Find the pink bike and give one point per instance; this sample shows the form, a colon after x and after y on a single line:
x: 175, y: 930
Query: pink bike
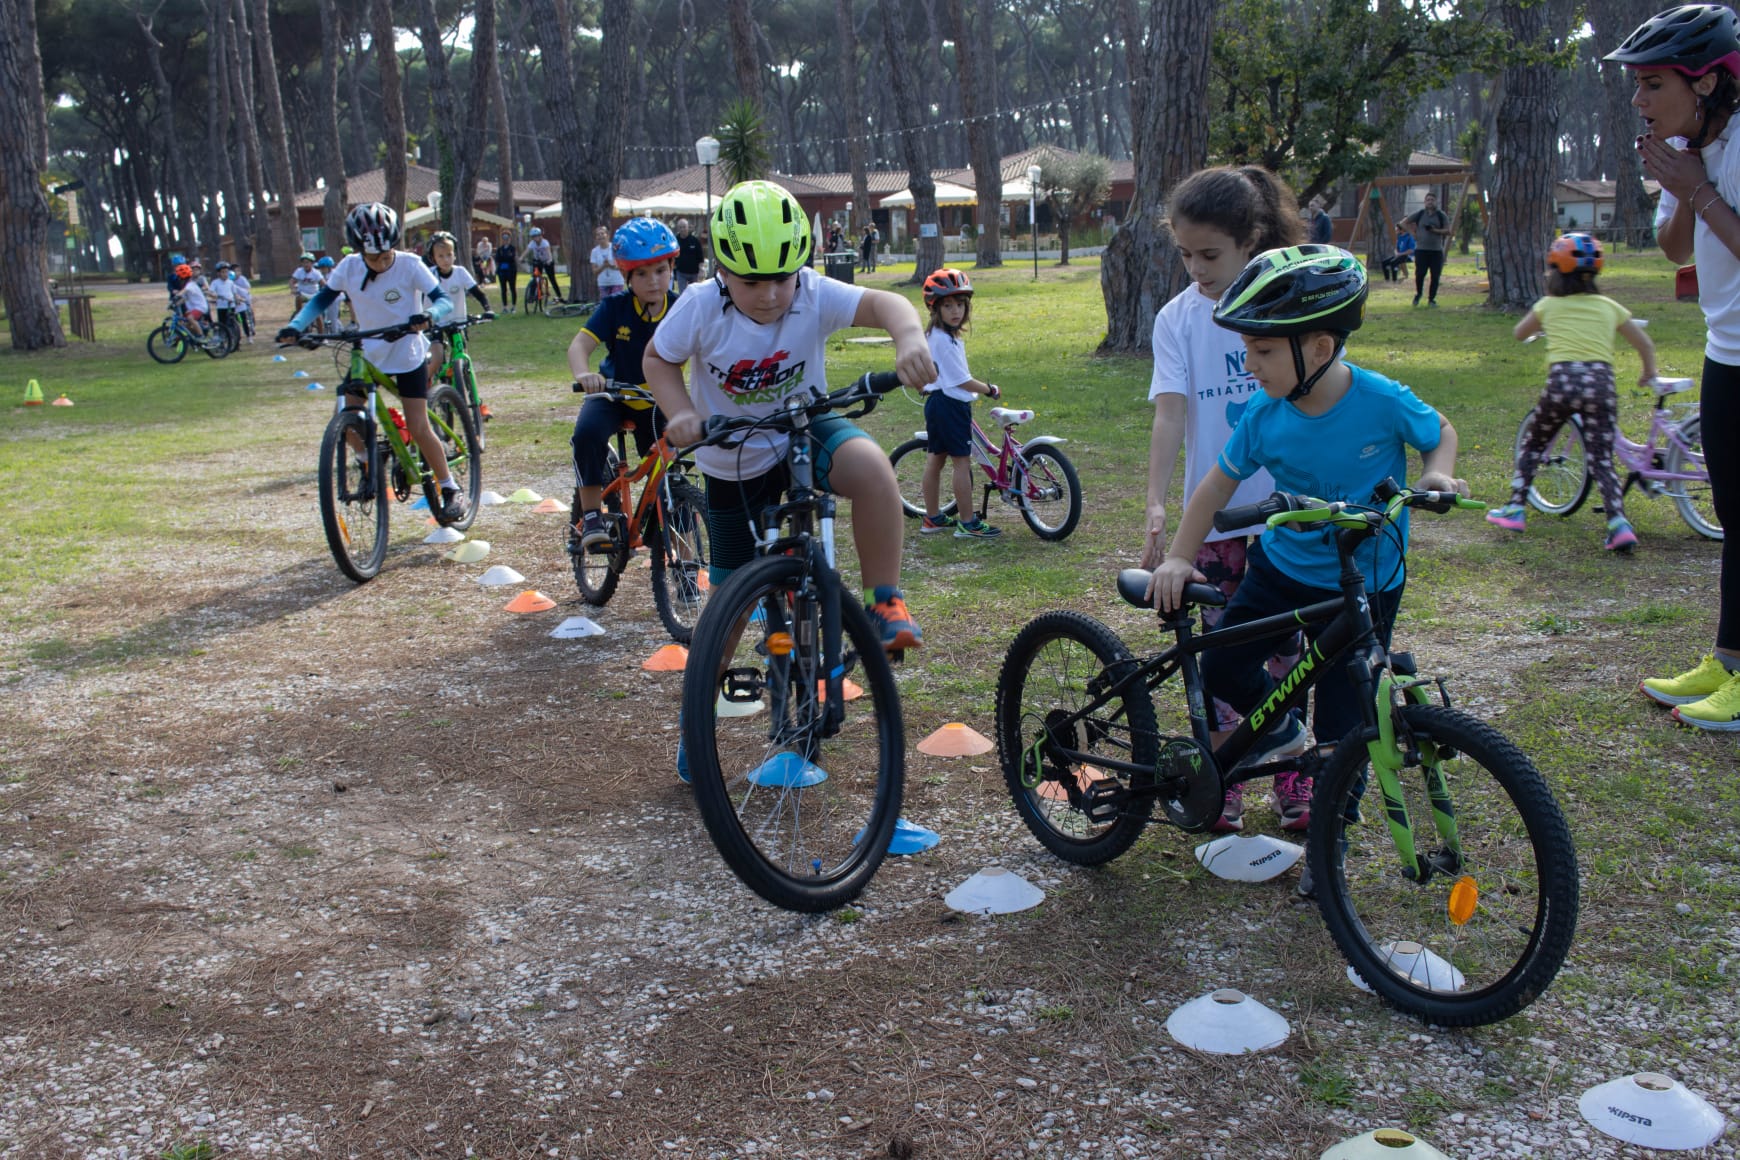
x: 1034, y: 477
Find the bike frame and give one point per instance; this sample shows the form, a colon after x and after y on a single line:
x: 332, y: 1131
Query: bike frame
x: 456, y: 368
x: 1643, y: 460
x: 652, y: 468
x: 1002, y: 474
x: 409, y: 456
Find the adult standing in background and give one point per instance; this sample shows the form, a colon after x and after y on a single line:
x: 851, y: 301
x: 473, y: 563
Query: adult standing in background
x: 687, y: 268
x: 604, y: 268
x: 1431, y: 229
x: 485, y: 254
x: 1320, y: 227
x: 507, y: 271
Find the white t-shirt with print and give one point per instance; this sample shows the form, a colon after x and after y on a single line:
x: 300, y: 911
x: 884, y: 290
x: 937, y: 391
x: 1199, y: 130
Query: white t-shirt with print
x: 950, y: 357
x: 223, y: 295
x: 390, y: 298
x: 738, y: 366
x: 608, y: 275
x: 1718, y: 267
x: 305, y: 283
x: 1206, y: 364
x: 244, y: 291
x: 454, y: 284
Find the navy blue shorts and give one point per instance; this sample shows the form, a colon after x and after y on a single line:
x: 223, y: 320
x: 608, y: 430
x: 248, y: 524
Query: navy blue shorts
x: 948, y: 425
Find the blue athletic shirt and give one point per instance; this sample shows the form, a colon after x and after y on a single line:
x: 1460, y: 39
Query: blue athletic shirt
x: 623, y: 327
x: 1341, y: 454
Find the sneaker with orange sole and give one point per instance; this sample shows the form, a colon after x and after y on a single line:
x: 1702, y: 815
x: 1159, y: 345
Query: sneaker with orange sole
x: 894, y: 624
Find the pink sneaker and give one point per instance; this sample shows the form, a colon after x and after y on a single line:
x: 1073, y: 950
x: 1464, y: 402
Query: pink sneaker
x: 1232, y: 812
x: 1512, y: 517
x: 1293, y: 800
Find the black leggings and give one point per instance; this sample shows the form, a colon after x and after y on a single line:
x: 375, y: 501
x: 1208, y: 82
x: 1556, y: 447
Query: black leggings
x: 1424, y: 260
x: 1720, y: 433
x: 510, y: 287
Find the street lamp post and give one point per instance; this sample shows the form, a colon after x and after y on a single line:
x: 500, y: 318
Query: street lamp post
x: 707, y: 153
x: 1033, y: 172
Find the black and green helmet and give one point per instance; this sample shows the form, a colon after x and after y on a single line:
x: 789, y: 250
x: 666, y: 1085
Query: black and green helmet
x: 1295, y: 290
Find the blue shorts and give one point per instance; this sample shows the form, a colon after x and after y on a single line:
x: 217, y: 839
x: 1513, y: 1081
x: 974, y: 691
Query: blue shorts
x: 732, y: 504
x: 948, y: 425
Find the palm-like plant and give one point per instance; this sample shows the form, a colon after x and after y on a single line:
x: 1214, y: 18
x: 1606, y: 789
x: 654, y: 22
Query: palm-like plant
x: 743, y: 143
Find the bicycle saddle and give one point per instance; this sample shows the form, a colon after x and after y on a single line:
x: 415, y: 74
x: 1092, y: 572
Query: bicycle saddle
x: 1665, y: 387
x: 1009, y: 417
x: 1133, y: 586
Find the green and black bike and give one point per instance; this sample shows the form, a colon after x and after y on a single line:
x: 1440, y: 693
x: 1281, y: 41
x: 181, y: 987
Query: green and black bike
x: 456, y: 369
x: 1452, y: 892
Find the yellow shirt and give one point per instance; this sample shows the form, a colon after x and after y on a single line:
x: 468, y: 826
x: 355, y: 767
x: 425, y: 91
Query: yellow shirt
x: 1580, y: 326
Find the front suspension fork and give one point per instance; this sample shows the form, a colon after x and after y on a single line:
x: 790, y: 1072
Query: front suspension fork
x: 1387, y: 759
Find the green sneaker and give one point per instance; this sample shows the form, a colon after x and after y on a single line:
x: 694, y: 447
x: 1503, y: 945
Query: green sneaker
x: 1710, y: 675
x: 1719, y: 712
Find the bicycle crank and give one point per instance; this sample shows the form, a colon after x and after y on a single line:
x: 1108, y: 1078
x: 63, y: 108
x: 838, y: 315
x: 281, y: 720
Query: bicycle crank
x: 1190, y: 788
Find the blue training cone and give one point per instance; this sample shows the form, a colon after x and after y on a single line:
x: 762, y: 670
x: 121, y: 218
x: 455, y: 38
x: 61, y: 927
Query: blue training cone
x: 420, y: 504
x: 299, y: 374
x: 908, y: 838
x: 786, y: 770
x: 279, y: 358
x: 315, y: 387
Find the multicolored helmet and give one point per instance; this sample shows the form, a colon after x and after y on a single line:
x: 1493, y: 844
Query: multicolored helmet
x: 945, y: 283
x: 1691, y: 39
x: 436, y: 238
x: 372, y: 228
x: 760, y: 231
x: 1295, y: 290
x: 642, y: 241
x: 1575, y: 254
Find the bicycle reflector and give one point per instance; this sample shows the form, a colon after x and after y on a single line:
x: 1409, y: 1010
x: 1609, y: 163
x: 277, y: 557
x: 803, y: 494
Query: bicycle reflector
x: 1463, y: 898
x: 779, y: 644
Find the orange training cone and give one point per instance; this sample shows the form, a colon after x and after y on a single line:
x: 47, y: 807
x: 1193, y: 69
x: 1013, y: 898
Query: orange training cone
x: 955, y: 740
x: 551, y: 504
x: 670, y: 659
x: 530, y: 600
x: 1085, y: 776
x: 62, y: 401
x: 852, y: 691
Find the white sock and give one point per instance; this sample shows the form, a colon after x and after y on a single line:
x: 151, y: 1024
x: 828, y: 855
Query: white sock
x: 448, y: 484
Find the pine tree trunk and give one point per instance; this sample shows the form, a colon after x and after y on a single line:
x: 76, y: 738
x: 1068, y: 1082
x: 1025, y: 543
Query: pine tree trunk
x: 1520, y: 223
x: 275, y: 147
x: 849, y: 94
x: 184, y: 199
x: 266, y: 259
x: 977, y: 74
x: 742, y: 25
x: 382, y: 32
x: 472, y: 141
x: 927, y: 251
x: 337, y: 200
x: 504, y: 145
x: 1633, y: 210
x: 1140, y: 271
x: 24, y: 215
x: 217, y: 209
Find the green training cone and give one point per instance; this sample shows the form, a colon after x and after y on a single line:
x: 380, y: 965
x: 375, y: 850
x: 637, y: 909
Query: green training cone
x: 33, y: 394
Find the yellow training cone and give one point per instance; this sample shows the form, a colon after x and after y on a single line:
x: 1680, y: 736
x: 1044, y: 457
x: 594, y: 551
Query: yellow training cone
x: 524, y: 495
x: 670, y: 659
x: 62, y: 401
x: 33, y: 394
x: 955, y: 740
x: 551, y: 505
x: 469, y: 553
x: 530, y: 600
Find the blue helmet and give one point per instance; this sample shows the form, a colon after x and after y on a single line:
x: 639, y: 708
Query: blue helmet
x: 641, y: 241
x: 177, y: 259
x: 325, y: 263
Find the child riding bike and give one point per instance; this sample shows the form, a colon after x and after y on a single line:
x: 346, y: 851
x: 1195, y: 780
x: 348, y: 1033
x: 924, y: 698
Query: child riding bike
x: 1324, y: 428
x: 948, y: 407
x: 388, y: 288
x: 623, y: 324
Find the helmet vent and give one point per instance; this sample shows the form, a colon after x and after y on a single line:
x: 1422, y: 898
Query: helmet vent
x: 784, y: 253
x: 749, y: 255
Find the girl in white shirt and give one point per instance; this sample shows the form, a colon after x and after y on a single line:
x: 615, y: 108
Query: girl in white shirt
x: 948, y: 407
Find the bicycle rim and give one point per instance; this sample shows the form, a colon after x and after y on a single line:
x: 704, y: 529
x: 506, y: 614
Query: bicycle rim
x: 457, y: 431
x: 1692, y: 497
x: 909, y: 460
x: 165, y: 346
x: 1486, y: 933
x: 1052, y: 672
x: 678, y: 545
x: 351, y: 510
x: 804, y: 819
x: 1050, y: 492
x: 1562, y: 480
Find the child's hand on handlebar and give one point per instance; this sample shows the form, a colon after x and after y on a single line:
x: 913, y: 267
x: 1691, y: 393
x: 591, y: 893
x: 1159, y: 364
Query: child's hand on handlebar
x: 993, y: 391
x: 1166, y: 588
x: 685, y: 427
x: 1438, y: 481
x: 592, y: 383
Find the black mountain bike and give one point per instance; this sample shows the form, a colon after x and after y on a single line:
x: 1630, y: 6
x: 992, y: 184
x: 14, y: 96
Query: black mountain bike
x: 791, y: 719
x: 1459, y: 909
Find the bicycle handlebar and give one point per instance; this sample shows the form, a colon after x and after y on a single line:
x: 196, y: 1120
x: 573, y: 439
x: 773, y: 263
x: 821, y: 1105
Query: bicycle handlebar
x: 867, y: 390
x: 350, y: 337
x: 1281, y: 508
x: 464, y: 323
x: 620, y: 392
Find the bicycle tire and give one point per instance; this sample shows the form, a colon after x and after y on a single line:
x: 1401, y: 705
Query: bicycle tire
x: 165, y: 346
x: 1050, y: 671
x: 1047, y: 480
x: 596, y: 574
x: 474, y: 401
x: 450, y: 419
x: 804, y: 845
x: 678, y: 545
x: 1692, y: 498
x: 1515, y: 849
x: 1562, y: 482
x: 352, y: 511
x: 908, y: 461
x: 232, y: 332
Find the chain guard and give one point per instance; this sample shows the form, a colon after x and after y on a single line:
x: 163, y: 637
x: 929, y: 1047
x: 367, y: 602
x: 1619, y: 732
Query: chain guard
x: 1190, y: 787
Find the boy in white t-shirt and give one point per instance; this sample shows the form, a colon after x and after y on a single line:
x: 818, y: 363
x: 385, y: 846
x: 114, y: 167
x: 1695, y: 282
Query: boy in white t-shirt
x: 756, y: 336
x: 948, y: 408
x: 456, y: 282
x: 244, y: 292
x: 223, y: 297
x: 389, y: 288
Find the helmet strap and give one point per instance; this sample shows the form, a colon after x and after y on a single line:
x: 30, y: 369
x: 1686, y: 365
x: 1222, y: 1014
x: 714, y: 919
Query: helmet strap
x: 1306, y: 382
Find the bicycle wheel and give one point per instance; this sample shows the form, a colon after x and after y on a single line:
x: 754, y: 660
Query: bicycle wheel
x: 801, y: 811
x: 1049, y: 492
x: 909, y: 460
x: 165, y: 345
x: 679, y: 559
x: 351, y: 508
x: 1692, y: 496
x: 450, y: 416
x: 1487, y: 931
x: 232, y: 336
x: 215, y: 343
x: 1562, y: 481
x: 1055, y: 668
x: 475, y: 402
x: 596, y: 573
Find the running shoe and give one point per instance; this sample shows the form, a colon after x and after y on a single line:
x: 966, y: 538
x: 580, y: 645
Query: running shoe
x: 1692, y: 685
x: 594, y: 536
x: 977, y: 530
x: 894, y: 624
x: 1511, y: 517
x: 1232, y: 812
x: 1719, y: 712
x: 454, y: 505
x: 1293, y: 800
x: 1285, y: 740
x: 1620, y: 537
x: 934, y: 524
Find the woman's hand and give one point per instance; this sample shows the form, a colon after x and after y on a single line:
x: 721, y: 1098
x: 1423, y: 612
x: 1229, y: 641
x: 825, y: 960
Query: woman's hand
x: 1680, y: 171
x: 1154, y: 550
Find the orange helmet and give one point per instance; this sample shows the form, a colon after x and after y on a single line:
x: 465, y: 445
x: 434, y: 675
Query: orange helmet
x: 945, y: 283
x: 1575, y: 254
x: 184, y: 271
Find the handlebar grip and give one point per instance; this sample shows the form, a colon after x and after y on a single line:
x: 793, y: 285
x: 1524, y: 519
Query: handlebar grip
x: 1232, y: 519
x: 882, y: 381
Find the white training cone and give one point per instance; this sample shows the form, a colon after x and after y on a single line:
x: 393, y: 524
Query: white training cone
x: 1227, y: 1022
x: 444, y: 536
x: 1654, y: 1111
x: 1384, y: 1144
x: 724, y: 708
x: 469, y: 552
x: 491, y: 498
x: 576, y: 627
x: 1416, y: 964
x: 498, y: 575
x: 994, y: 890
x: 1254, y: 859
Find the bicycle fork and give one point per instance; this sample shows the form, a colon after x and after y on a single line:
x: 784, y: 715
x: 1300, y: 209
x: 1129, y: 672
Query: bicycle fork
x: 1387, y: 755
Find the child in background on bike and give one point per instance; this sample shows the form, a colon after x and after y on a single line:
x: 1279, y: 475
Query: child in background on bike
x: 329, y: 320
x: 542, y: 257
x: 1323, y: 428
x: 507, y: 271
x: 305, y: 281
x: 646, y: 251
x: 244, y: 292
x: 756, y: 336
x: 1220, y: 218
x: 191, y: 298
x: 605, y: 271
x: 223, y: 298
x: 389, y: 288
x: 1579, y: 322
x: 456, y: 282
x: 948, y: 407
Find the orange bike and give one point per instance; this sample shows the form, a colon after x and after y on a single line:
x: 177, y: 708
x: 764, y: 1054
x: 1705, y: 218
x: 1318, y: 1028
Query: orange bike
x: 670, y: 521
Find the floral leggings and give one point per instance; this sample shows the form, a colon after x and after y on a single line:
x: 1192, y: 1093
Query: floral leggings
x: 1222, y: 562
x: 1575, y: 388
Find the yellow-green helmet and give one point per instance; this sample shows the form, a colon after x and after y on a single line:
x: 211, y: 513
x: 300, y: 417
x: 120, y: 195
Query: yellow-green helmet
x: 759, y: 231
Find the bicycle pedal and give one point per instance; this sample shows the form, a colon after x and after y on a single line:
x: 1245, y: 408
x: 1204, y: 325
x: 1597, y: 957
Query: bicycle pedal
x: 1103, y: 801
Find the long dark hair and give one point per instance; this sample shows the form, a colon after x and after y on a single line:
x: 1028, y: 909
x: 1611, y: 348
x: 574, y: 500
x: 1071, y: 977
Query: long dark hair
x: 1247, y: 203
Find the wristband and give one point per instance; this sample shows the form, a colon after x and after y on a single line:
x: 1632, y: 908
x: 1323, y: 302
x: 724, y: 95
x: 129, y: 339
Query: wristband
x: 1715, y: 196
